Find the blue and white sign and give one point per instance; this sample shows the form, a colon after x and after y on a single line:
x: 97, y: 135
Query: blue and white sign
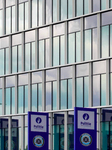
x: 85, y: 132
x: 37, y: 131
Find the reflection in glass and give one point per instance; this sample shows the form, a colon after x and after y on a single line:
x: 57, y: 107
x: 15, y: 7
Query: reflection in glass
x: 33, y: 55
x: 44, y: 33
x: 94, y: 43
x: 63, y: 9
x: 103, y: 4
x: 39, y: 97
x: 1, y: 61
x: 66, y: 72
x: 34, y: 13
x: 36, y: 77
x: 86, y: 6
x: 96, y: 90
x: 6, y: 60
x: 19, y: 58
x: 26, y: 15
x: 62, y: 50
x: 1, y: 19
x: 41, y: 54
x: 22, y: 79
x: 51, y: 75
x: 54, y: 10
x: 14, y: 59
x: 78, y: 47
x: 48, y: 96
x: 86, y: 91
x: 96, y: 5
x: 26, y: 139
x: 70, y: 136
x: 110, y: 88
x: 110, y: 40
x: 21, y: 16
x: 74, y: 26
x: 34, y: 97
x: 99, y: 67
x: 63, y: 94
x: 40, y: 12
x: 90, y: 22
x: 103, y: 89
x: 0, y: 101
x: 47, y: 52
x: 110, y: 3
x: 55, y: 51
x: 106, y: 18
x: 54, y: 96
x: 27, y: 56
x: 71, y: 48
x: 87, y: 45
x: 105, y: 41
x: 70, y: 9
x: 48, y: 11
x: 79, y: 95
x: 13, y: 19
x: 82, y: 70
x: 58, y: 29
x: 13, y: 100
x: 79, y: 7
x: 26, y: 99
x: 8, y: 20
x: 20, y: 99
x: 69, y: 93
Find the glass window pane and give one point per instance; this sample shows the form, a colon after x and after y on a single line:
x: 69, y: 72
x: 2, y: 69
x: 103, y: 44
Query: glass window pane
x: 7, y: 100
x: 2, y: 62
x: 27, y: 57
x: 21, y: 16
x: 54, y: 10
x: 110, y: 40
x: 74, y: 26
x: 23, y: 79
x: 90, y: 22
x: 103, y: 89
x: 86, y: 91
x: 63, y: 9
x: 33, y: 55
x: 36, y: 77
x: 96, y: 90
x: 110, y: 2
x: 48, y: 11
x: 13, y: 100
x: 106, y: 18
x: 55, y: 95
x: 105, y: 41
x: 44, y: 33
x: 69, y: 93
x: 1, y: 80
x: 26, y: 139
x: 103, y: 4
x: 14, y: 59
x: 47, y: 53
x: 34, y: 13
x: 78, y: 47
x: 48, y: 96
x: 6, y: 60
x: 51, y: 75
x: 10, y: 81
x: 70, y: 9
x: 99, y: 67
x: 34, y: 97
x: 4, y: 42
x: 96, y: 5
x: 13, y: 19
x: 62, y: 50
x: 63, y: 94
x: 39, y: 97
x: 1, y: 19
x: 30, y: 36
x: 71, y: 48
x: 79, y: 95
x: 58, y: 29
x: 40, y: 12
x: 20, y: 99
x: 0, y: 101
x: 86, y: 6
x: 82, y: 70
x: 16, y: 39
x: 19, y: 58
x: 10, y: 3
x: 41, y: 54
x: 26, y: 99
x: 94, y: 43
x: 79, y: 7
x: 26, y: 15
x: 1, y: 4
x: 110, y: 89
x: 56, y: 51
x: 87, y: 45
x: 66, y: 72
x: 8, y: 20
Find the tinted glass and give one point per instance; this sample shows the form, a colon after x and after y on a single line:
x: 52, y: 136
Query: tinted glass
x: 51, y: 75
x: 82, y: 70
x: 90, y: 22
x: 106, y: 18
x: 74, y: 26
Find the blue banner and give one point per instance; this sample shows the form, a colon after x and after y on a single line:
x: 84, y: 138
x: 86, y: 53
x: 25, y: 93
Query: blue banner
x: 85, y: 132
x: 37, y: 131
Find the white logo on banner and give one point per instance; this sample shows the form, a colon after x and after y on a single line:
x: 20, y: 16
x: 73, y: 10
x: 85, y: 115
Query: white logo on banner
x: 38, y: 123
x: 85, y: 120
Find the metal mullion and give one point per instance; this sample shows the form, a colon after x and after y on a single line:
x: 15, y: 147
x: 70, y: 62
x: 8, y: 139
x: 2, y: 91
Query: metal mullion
x: 43, y: 12
x: 16, y: 15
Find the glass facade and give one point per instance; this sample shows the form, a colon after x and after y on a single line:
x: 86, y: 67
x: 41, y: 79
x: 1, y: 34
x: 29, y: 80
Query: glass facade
x: 54, y: 55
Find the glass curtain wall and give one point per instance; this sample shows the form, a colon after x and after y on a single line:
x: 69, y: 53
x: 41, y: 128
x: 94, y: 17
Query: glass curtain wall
x: 1, y: 96
x: 1, y: 18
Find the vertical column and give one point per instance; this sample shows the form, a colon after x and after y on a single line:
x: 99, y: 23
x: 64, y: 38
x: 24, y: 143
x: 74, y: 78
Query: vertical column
x: 90, y: 85
x: 43, y: 12
x: 66, y: 42
x: 65, y: 131
x: 107, y: 82
x: 29, y: 91
x: 9, y: 133
x: 16, y: 95
x: 98, y: 128
x: 90, y: 6
x: 98, y: 35
x: 22, y: 132
x: 51, y: 45
x: 58, y: 88
x: 16, y: 15
x: 43, y: 91
x: 58, y: 9
x: 29, y: 14
x: 4, y: 17
x: 73, y: 7
x: 23, y: 50
x: 36, y: 48
x: 3, y: 96
x: 73, y: 86
x: 10, y: 54
x: 107, y: 4
x: 51, y: 131
x: 82, y: 48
